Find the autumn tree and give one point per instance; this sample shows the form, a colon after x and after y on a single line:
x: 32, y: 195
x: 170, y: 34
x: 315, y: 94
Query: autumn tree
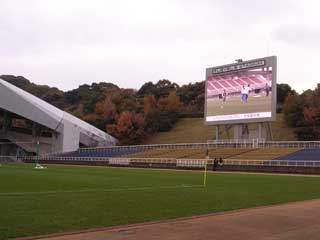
x: 106, y: 110
x: 159, y: 90
x: 292, y: 109
x: 129, y: 128
x: 169, y: 108
x: 303, y: 113
x: 149, y: 103
x: 171, y: 103
x: 104, y: 113
x: 192, y: 97
x: 151, y: 114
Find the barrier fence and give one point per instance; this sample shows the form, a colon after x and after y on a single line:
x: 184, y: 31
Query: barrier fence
x: 216, y: 144
x: 8, y: 158
x: 178, y: 163
x: 229, y: 143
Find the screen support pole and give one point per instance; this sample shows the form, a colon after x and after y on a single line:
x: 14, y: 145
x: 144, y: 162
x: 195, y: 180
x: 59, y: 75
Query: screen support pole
x: 261, y: 131
x: 260, y: 134
x: 217, y: 132
x: 270, y: 131
x: 265, y: 132
x: 241, y: 131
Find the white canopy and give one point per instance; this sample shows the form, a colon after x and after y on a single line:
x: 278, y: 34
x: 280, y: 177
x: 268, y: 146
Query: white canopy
x: 22, y: 103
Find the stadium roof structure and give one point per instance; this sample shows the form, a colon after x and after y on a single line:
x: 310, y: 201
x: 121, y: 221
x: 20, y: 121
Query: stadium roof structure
x: 69, y: 130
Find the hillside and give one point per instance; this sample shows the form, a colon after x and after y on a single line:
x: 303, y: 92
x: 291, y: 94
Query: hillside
x: 132, y: 115
x: 189, y: 130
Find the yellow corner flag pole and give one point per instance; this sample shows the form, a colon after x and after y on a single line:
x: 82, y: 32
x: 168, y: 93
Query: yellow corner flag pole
x: 205, y: 172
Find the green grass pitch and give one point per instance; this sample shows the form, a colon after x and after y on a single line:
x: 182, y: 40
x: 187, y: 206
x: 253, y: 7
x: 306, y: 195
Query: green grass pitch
x: 67, y: 198
x: 233, y: 105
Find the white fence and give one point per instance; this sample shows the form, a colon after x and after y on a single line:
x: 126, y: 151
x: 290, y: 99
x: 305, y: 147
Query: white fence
x: 234, y: 143
x: 187, y: 163
x: 9, y: 159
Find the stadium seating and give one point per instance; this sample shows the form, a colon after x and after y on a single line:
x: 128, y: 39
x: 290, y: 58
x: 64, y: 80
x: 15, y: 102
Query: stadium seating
x: 226, y: 152
x: 303, y: 154
x: 221, y: 152
x: 190, y: 153
x: 153, y: 153
x: 168, y: 153
x: 265, y: 153
x: 199, y: 153
x: 103, y: 152
x: 186, y: 153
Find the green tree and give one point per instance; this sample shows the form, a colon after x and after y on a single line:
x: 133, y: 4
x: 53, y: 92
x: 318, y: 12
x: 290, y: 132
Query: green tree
x: 293, y: 110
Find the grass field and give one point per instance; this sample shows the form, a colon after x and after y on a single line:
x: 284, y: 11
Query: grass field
x: 66, y: 198
x: 194, y: 130
x: 234, y: 105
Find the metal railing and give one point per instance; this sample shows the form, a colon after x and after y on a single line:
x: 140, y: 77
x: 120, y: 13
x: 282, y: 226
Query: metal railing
x: 195, y: 163
x: 217, y: 144
x: 8, y: 158
x: 228, y: 143
x: 273, y: 163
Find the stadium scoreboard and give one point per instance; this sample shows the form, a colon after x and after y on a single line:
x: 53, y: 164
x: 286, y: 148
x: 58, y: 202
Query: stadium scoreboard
x: 241, y: 92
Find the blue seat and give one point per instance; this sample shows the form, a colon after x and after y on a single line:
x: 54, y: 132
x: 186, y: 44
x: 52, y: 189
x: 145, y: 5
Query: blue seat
x: 101, y: 152
x: 308, y: 154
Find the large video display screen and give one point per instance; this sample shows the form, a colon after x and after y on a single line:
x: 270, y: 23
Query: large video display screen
x: 242, y: 92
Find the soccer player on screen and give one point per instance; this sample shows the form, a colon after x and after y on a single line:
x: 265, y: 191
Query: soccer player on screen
x: 246, y: 92
x: 243, y: 94
x: 224, y: 95
x: 267, y: 89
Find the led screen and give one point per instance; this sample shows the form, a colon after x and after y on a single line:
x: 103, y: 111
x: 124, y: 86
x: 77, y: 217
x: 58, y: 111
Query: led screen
x: 242, y: 92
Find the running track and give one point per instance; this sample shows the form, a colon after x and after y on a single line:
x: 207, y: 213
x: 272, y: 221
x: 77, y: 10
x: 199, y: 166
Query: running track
x: 292, y: 221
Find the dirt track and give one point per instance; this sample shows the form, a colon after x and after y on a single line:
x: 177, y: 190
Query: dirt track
x: 290, y: 221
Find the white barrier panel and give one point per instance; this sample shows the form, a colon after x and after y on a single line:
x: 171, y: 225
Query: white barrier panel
x: 116, y: 161
x: 197, y: 163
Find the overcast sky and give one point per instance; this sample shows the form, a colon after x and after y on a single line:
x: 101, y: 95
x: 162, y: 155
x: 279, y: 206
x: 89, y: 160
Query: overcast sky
x: 65, y: 43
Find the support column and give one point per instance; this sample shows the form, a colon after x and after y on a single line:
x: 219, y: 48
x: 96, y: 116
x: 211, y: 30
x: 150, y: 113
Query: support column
x: 34, y: 127
x: 217, y: 132
x: 237, y: 131
x: 1, y: 150
x: 227, y: 129
x: 241, y: 131
x: 270, y: 131
x: 260, y: 133
x: 5, y: 122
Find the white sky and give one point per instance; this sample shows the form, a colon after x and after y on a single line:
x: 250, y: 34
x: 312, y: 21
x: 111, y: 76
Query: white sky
x: 65, y: 43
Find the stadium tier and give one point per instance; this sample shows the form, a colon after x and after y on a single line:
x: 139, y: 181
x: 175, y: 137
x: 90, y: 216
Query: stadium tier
x: 310, y: 154
x: 184, y: 153
x: 100, y: 152
x: 265, y: 153
x: 153, y: 153
x: 225, y: 153
x: 221, y: 152
x: 294, y: 157
x: 275, y: 154
x: 192, y: 153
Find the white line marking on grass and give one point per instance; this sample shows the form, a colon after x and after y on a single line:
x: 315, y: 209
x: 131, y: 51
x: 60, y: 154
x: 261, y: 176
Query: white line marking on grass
x: 102, y: 190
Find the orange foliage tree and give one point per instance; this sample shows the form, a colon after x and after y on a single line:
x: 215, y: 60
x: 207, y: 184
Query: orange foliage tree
x: 149, y: 104
x: 171, y: 103
x: 104, y: 110
x: 129, y: 128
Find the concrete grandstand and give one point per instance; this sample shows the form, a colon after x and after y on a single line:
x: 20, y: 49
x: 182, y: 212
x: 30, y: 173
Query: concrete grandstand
x: 26, y: 120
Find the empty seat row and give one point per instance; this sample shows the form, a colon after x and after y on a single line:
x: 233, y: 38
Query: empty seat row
x: 101, y: 152
x: 308, y: 154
